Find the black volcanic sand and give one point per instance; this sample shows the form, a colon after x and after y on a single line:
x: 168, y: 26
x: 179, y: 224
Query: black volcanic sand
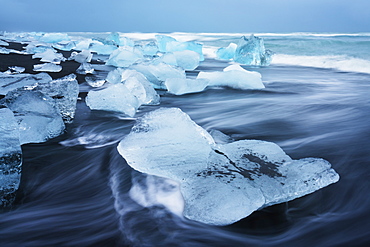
x: 26, y: 61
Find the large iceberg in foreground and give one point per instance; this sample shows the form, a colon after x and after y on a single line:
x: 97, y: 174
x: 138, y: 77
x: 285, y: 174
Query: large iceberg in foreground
x: 37, y: 115
x: 10, y: 157
x: 220, y: 183
x: 233, y: 76
x: 252, y: 52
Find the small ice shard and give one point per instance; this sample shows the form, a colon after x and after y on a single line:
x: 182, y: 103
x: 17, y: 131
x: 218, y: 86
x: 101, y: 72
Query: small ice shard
x: 37, y: 115
x: 54, y: 37
x: 47, y: 67
x: 14, y: 70
x: 116, y: 98
x: 227, y: 53
x: 233, y: 76
x: 65, y: 45
x: 94, y: 81
x: 101, y: 48
x: 119, y: 40
x: 37, y: 47
x: 179, y: 86
x: 124, y: 57
x: 252, y: 52
x: 64, y: 91
x: 10, y: 157
x: 162, y: 41
x: 14, y: 81
x: 4, y: 50
x: 84, y: 56
x: 85, y: 68
x: 137, y: 83
x: 49, y: 56
x: 220, y: 183
x: 157, y: 74
x: 3, y: 43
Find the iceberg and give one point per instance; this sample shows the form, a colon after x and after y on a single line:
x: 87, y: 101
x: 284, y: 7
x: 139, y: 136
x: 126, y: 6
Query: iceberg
x: 85, y: 68
x: 84, y: 56
x: 94, y: 80
x: 185, y: 86
x: 162, y: 41
x: 148, y: 49
x: 188, y: 60
x: 83, y: 44
x: 3, y: 43
x: 12, y: 70
x: 124, y: 57
x: 47, y: 67
x: 54, y: 37
x: 158, y: 73
x: 119, y: 40
x: 10, y: 157
x: 116, y: 98
x: 220, y: 183
x: 233, y: 76
x: 65, y: 45
x: 252, y: 52
x: 36, y: 113
x: 64, y: 92
x: 101, y: 48
x: 227, y: 53
x: 137, y: 83
x: 14, y: 81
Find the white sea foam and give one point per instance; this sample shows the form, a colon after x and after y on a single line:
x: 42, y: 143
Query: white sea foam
x: 339, y: 62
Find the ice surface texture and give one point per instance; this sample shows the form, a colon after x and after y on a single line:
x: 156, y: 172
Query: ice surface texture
x: 37, y: 115
x: 10, y: 157
x: 252, y: 52
x: 220, y: 183
x: 11, y: 82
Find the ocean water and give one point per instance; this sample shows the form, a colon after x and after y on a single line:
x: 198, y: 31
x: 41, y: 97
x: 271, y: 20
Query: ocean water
x: 74, y: 188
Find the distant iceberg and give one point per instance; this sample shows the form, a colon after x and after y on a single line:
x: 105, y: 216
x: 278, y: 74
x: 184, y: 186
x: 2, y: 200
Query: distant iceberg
x: 220, y: 183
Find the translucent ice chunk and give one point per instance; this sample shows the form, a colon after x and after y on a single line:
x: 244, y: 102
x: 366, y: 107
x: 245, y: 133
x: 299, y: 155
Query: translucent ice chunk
x: 189, y: 45
x: 184, y: 86
x: 226, y: 53
x: 101, y: 48
x: 252, y: 52
x: 83, y: 44
x: 139, y: 86
x: 85, y: 68
x: 84, y: 56
x: 162, y: 41
x: 49, y: 56
x: 47, y: 67
x: 10, y: 157
x: 188, y: 60
x: 65, y: 45
x: 15, y: 70
x: 137, y: 83
x: 157, y: 74
x: 115, y: 98
x: 120, y: 40
x: 37, y: 114
x: 220, y: 183
x: 94, y: 81
x: 233, y: 76
x: 124, y: 57
x: 64, y: 91
x: 11, y: 82
x: 148, y: 49
x: 54, y: 37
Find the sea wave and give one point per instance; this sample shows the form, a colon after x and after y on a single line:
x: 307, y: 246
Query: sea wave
x: 338, y: 62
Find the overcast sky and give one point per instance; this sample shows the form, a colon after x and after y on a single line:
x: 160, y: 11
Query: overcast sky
x: 185, y: 15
